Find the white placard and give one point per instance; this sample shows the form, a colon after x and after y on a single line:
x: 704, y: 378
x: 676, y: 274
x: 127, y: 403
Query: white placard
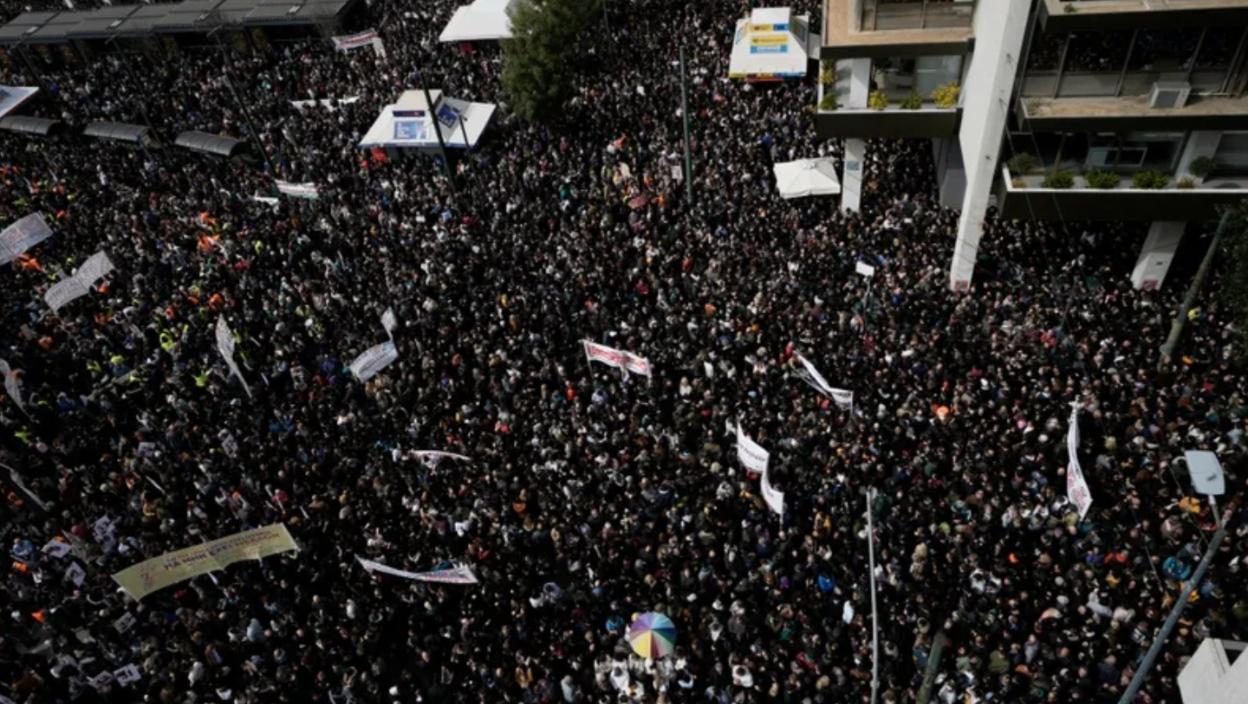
x: 389, y: 322
x: 75, y: 574
x: 750, y: 453
x: 123, y: 624
x: 373, y: 360
x: 619, y: 359
x: 126, y: 675
x: 56, y: 548
x: 1206, y: 472
x: 864, y: 269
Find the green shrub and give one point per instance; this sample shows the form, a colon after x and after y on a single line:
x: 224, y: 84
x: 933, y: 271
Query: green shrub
x: 827, y: 76
x: 830, y: 102
x: 1058, y: 179
x: 1185, y: 183
x: 1150, y: 179
x: 946, y: 96
x: 1202, y: 166
x: 877, y: 100
x: 1021, y: 163
x: 1102, y: 179
x: 914, y: 101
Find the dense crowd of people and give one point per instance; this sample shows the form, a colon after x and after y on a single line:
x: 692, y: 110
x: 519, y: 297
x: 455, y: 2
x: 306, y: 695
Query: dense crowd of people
x: 589, y: 495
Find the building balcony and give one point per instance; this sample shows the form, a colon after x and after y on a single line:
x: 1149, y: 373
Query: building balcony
x: 927, y: 119
x: 1131, y: 112
x: 892, y: 28
x: 1107, y: 15
x: 1024, y: 197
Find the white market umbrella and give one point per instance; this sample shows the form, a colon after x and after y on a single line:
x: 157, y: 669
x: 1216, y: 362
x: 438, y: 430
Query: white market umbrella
x: 807, y: 177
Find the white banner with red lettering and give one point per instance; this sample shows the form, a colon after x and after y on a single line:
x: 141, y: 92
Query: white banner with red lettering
x: 22, y: 235
x: 361, y: 40
x: 1076, y: 486
x: 454, y: 575
x: 620, y: 359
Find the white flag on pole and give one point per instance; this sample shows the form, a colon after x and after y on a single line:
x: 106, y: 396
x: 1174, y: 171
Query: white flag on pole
x: 774, y: 499
x: 455, y: 575
x: 750, y: 453
x: 1076, y: 486
x: 79, y: 283
x: 619, y: 359
x: 389, y: 322
x: 306, y: 190
x: 12, y: 386
x: 844, y: 399
x: 22, y: 235
x: 225, y: 345
x: 373, y: 360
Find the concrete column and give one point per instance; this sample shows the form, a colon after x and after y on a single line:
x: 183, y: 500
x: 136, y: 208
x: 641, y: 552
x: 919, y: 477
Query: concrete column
x: 1200, y: 143
x: 950, y: 174
x: 999, y: 29
x: 854, y: 83
x: 1156, y: 255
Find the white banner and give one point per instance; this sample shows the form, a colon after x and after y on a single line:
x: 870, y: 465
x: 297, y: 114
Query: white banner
x: 1076, y: 486
x: 79, y: 283
x: 126, y: 675
x: 225, y: 345
x: 306, y: 190
x: 389, y: 322
x: 373, y: 360
x: 844, y: 399
x: 361, y: 40
x: 750, y: 453
x: 864, y: 269
x: 433, y: 456
x: 22, y: 235
x: 619, y: 359
x: 12, y: 386
x: 455, y: 575
x: 774, y: 499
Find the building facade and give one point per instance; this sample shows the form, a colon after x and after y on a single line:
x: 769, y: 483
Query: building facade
x: 1126, y: 110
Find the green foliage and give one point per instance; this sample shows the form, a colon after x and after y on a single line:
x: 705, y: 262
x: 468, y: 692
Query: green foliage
x: 548, y: 39
x: 1185, y: 183
x: 830, y: 102
x: 1058, y: 179
x: 877, y: 100
x: 914, y: 101
x: 1021, y: 163
x: 1202, y: 166
x: 1101, y: 179
x: 946, y: 96
x: 827, y: 75
x: 1149, y: 179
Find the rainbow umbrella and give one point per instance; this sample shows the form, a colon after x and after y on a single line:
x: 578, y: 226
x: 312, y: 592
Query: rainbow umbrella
x: 652, y: 635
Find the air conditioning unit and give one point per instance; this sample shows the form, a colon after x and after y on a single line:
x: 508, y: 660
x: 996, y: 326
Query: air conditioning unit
x: 1169, y: 94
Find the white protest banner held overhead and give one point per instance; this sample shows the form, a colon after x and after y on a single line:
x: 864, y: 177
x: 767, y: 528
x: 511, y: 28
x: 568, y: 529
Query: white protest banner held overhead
x: 864, y: 269
x: 225, y: 345
x: 434, y: 456
x: 774, y: 499
x: 389, y: 322
x: 842, y: 398
x: 358, y: 41
x: 373, y: 360
x: 12, y: 386
x: 455, y: 575
x: 1076, y: 486
x: 619, y: 359
x: 22, y: 235
x: 750, y: 453
x: 307, y: 190
x: 79, y: 283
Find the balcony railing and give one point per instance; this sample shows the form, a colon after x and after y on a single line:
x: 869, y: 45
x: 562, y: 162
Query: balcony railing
x: 878, y: 15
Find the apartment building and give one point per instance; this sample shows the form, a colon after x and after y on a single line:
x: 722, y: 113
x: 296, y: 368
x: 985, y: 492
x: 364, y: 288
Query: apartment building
x: 1128, y: 110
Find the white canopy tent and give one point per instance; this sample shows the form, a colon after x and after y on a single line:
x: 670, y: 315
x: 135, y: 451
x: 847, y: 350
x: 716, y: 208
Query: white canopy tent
x: 807, y: 177
x: 772, y: 44
x: 12, y: 97
x: 483, y: 20
x: 409, y: 122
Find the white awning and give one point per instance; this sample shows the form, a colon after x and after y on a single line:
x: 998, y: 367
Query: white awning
x: 807, y: 177
x: 772, y: 44
x: 12, y: 97
x: 483, y: 20
x: 409, y: 122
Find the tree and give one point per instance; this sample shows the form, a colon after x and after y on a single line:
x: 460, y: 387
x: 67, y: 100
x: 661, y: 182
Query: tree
x: 539, y: 60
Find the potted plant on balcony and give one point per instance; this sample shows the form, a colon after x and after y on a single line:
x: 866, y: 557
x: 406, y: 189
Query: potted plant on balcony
x: 829, y: 102
x: 1150, y: 180
x: 946, y: 96
x: 1060, y: 180
x: 1101, y: 179
x: 877, y: 100
x: 914, y: 101
x: 1202, y: 166
x: 827, y: 75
